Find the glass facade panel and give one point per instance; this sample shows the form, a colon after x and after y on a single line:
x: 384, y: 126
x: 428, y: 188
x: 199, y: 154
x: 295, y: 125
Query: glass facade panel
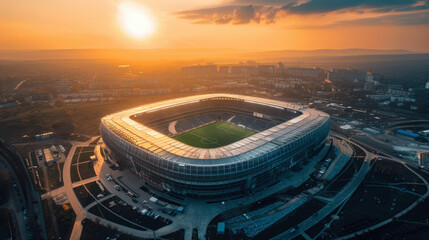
x: 227, y: 173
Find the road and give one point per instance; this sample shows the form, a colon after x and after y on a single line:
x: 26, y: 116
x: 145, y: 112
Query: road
x: 198, y: 213
x: 336, y: 201
x: 20, y: 83
x: 23, y: 195
x: 199, y: 209
x: 409, y: 208
x: 81, y: 213
x: 68, y: 189
x: 15, y: 203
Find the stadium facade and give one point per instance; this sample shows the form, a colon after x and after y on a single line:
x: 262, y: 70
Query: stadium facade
x: 286, y: 134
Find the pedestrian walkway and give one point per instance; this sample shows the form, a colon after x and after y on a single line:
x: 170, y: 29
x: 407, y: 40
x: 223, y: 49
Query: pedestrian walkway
x: 341, y: 197
x: 85, y: 181
x: 344, y: 155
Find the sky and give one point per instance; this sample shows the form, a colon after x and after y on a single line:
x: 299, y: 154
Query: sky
x: 238, y: 24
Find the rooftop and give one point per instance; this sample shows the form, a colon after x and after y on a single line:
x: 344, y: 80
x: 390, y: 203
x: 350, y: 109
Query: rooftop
x: 168, y: 148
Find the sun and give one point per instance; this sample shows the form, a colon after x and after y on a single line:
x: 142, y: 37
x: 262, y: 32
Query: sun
x: 136, y: 20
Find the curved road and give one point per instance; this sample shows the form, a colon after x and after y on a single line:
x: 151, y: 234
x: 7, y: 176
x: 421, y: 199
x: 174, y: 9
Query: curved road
x: 336, y: 201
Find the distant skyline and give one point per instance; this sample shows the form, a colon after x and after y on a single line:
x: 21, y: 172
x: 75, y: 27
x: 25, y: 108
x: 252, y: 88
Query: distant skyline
x: 238, y: 24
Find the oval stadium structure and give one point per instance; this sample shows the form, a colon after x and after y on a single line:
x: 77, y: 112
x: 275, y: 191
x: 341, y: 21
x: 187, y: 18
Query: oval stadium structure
x: 214, y: 144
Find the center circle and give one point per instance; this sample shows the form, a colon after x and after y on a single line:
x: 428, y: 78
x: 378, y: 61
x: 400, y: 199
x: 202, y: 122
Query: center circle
x: 209, y: 140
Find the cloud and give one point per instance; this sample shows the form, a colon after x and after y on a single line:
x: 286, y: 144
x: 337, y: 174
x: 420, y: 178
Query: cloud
x: 234, y: 14
x: 419, y: 18
x: 269, y: 11
x: 262, y: 2
x: 325, y: 6
x: 418, y: 6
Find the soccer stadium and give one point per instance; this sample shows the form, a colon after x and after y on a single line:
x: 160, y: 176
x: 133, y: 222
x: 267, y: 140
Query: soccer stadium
x: 215, y: 144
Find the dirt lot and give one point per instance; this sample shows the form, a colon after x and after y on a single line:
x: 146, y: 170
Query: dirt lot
x: 38, y: 118
x: 94, y: 231
x: 398, y: 231
x: 82, y: 167
x: 298, y: 215
x: 135, y: 216
x: 59, y: 219
x: 55, y: 178
x: 317, y: 228
x: 86, y: 170
x: 83, y: 195
x: 102, y: 212
x: 379, y: 197
x: 412, y: 225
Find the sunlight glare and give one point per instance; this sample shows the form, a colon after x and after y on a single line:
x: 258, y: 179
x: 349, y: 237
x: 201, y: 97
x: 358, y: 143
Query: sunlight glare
x: 136, y: 20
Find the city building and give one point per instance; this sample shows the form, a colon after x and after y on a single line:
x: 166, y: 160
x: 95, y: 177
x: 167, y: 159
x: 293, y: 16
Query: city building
x: 337, y: 75
x: 314, y: 72
x: 200, y: 71
x: 43, y: 136
x: 223, y: 69
x: 400, y: 94
x: 9, y: 104
x: 266, y: 69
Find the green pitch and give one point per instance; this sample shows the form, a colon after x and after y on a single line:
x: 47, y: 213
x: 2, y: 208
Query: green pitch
x: 214, y: 135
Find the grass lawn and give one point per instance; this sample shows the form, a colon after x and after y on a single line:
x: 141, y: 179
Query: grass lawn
x: 214, y: 135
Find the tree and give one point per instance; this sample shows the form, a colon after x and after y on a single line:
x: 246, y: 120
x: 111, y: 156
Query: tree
x: 4, y: 185
x: 63, y: 128
x: 58, y: 102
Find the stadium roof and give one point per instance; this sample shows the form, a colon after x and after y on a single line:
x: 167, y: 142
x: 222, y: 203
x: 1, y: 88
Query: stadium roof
x: 168, y: 148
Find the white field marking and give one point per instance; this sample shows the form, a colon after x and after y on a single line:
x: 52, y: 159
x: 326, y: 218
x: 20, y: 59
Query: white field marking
x: 203, y: 138
x: 229, y: 131
x: 212, y: 140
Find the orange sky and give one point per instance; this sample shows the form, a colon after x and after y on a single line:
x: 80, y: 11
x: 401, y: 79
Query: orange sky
x: 53, y: 24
